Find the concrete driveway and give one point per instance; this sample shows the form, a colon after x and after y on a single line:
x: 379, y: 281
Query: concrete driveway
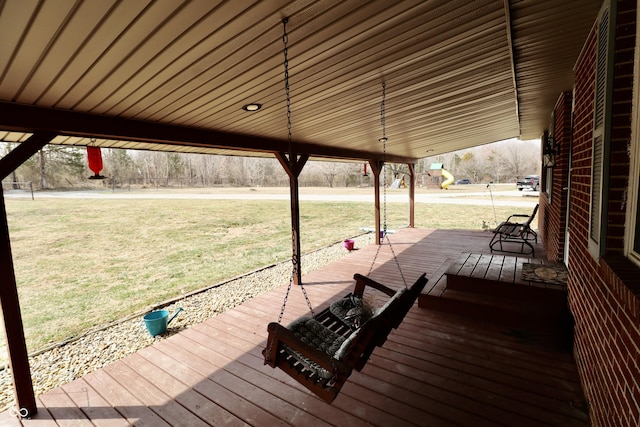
x: 470, y: 195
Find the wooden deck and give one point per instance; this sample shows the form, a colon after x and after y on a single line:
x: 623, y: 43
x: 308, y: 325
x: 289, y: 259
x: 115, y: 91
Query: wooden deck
x: 436, y: 369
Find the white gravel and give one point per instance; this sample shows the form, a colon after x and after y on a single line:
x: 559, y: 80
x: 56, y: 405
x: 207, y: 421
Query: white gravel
x: 99, y: 347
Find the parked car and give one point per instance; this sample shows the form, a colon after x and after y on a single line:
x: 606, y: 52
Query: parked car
x: 530, y: 181
x: 462, y: 181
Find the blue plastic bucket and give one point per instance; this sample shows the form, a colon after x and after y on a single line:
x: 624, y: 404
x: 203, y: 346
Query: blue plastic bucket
x: 156, y: 322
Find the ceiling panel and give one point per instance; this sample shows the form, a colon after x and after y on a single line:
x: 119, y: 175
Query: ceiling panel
x: 458, y: 73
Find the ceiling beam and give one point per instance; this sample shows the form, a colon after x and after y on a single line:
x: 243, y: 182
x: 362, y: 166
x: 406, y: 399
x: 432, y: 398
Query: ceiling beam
x: 23, y: 152
x: 29, y: 118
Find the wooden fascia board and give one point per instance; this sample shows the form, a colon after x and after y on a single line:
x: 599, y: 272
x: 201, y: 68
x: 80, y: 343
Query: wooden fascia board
x: 29, y: 118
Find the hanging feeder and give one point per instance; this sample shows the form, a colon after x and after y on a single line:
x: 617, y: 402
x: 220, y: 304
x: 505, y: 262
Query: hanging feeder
x: 94, y: 157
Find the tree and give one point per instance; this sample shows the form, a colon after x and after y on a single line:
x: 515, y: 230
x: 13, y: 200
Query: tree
x: 501, y: 161
x: 175, y: 167
x: 119, y: 165
x: 519, y: 157
x: 57, y: 165
x: 330, y: 171
x: 63, y: 165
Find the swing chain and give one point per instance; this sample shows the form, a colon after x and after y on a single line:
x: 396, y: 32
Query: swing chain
x: 383, y: 120
x: 384, y: 175
x: 286, y: 296
x: 285, y: 41
x: 294, y: 261
x: 383, y: 123
x: 306, y: 298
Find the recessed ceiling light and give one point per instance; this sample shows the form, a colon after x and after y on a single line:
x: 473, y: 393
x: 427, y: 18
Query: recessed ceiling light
x: 383, y: 140
x: 252, y: 107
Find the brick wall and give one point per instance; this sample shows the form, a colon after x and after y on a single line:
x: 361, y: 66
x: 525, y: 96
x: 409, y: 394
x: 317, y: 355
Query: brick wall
x: 604, y: 294
x: 553, y: 207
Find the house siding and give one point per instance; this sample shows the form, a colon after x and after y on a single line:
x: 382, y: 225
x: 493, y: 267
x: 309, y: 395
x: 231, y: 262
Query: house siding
x: 603, y: 294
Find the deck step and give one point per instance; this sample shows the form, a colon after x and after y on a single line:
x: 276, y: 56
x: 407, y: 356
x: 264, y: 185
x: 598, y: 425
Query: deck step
x: 515, y: 291
x: 499, y: 275
x: 488, y: 288
x: 438, y: 281
x: 493, y: 308
x: 529, y: 318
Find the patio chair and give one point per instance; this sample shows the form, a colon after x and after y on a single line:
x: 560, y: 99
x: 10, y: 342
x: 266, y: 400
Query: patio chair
x: 510, y: 233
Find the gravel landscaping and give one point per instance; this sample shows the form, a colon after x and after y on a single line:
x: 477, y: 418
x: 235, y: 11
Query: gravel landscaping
x: 66, y: 361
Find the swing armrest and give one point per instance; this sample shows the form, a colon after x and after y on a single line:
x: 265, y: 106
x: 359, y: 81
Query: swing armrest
x: 278, y: 334
x: 419, y: 285
x: 363, y: 281
x: 401, y: 302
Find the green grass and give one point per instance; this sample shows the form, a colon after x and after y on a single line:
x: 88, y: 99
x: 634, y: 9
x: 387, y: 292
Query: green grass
x: 86, y: 262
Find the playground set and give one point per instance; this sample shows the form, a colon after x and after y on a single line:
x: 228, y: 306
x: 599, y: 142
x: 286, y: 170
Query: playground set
x: 439, y: 177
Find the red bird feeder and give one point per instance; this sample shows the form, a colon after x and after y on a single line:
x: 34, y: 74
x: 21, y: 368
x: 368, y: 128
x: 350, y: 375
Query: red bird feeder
x: 94, y: 156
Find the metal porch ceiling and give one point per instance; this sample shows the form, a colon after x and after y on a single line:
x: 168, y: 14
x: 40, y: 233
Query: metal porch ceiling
x: 173, y: 75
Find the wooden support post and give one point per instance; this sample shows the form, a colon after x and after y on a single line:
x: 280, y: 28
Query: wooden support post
x: 9, y: 302
x: 14, y: 332
x: 412, y: 194
x: 293, y: 166
x: 376, y: 168
x: 23, y: 152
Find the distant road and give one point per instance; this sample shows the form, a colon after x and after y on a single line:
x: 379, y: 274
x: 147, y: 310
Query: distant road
x: 458, y: 197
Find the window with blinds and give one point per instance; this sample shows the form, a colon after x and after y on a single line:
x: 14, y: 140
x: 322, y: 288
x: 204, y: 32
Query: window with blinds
x: 632, y: 231
x: 596, y: 192
x: 601, y: 120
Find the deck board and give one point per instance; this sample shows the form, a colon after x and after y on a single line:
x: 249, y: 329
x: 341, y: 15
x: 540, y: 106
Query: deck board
x: 509, y: 269
x: 121, y: 399
x: 486, y: 271
x: 494, y: 272
x: 62, y: 408
x: 436, y: 369
x: 93, y: 405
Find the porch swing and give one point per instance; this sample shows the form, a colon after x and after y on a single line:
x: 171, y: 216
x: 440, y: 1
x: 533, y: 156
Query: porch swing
x: 321, y: 351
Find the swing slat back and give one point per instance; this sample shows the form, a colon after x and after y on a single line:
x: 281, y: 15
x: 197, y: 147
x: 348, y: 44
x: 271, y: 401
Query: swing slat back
x: 324, y: 371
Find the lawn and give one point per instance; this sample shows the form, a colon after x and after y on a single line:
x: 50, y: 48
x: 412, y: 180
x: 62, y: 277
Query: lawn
x: 87, y: 262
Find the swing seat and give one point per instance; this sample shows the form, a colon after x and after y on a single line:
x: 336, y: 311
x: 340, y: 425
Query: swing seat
x: 320, y: 353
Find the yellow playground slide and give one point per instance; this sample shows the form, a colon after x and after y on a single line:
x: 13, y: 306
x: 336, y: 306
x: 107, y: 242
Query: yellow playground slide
x: 448, y: 179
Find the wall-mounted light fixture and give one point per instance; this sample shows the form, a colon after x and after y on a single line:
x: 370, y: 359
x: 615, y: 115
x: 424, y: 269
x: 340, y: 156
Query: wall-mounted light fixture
x: 550, y: 150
